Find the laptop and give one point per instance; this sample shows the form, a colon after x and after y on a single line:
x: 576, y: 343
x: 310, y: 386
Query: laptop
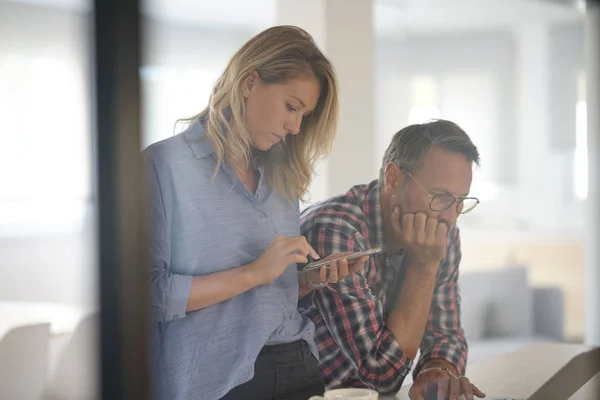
x: 568, y: 380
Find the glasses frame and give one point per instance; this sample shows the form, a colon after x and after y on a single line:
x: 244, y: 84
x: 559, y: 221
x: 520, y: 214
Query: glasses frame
x: 458, y: 200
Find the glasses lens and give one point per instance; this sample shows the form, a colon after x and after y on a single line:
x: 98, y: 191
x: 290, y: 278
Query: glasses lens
x: 441, y: 202
x: 467, y: 205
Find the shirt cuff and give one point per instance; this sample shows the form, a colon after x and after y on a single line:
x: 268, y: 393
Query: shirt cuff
x: 390, y: 350
x: 178, y: 297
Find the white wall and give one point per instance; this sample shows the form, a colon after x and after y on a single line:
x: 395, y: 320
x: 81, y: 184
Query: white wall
x: 535, y: 141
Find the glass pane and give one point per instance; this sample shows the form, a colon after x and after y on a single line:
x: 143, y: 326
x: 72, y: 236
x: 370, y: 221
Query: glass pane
x: 49, y: 285
x: 187, y: 44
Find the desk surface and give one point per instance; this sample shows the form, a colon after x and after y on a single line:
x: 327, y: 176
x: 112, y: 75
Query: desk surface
x: 522, y: 372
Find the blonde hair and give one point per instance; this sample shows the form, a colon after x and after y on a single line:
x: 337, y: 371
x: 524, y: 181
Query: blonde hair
x: 278, y: 54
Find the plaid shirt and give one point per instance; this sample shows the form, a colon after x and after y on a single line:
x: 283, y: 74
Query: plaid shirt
x: 355, y: 347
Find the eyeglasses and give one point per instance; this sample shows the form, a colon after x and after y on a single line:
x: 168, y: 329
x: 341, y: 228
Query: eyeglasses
x: 442, y: 202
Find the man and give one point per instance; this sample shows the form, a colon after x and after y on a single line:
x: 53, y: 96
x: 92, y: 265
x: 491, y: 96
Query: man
x: 370, y: 326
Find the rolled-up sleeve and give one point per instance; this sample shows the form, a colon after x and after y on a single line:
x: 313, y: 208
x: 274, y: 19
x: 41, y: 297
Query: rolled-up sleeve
x: 169, y: 293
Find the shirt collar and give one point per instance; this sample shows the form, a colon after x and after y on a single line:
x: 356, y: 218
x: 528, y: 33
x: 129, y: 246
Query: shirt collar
x: 372, y: 210
x: 195, y: 136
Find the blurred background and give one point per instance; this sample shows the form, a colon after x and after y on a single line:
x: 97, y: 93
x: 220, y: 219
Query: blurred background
x: 510, y: 72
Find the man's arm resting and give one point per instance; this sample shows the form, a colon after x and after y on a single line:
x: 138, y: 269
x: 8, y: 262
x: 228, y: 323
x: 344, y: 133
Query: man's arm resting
x: 408, y: 320
x: 444, y: 339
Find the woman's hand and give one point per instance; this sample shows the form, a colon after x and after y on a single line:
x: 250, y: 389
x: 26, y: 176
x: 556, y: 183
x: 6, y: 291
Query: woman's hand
x: 282, y: 251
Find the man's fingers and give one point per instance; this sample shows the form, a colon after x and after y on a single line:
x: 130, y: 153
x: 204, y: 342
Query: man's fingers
x: 431, y: 227
x: 342, y: 269
x: 420, y: 221
x: 442, y: 387
x: 408, y: 221
x: 466, y: 387
x: 454, y: 386
x: 323, y: 274
x: 442, y: 229
x: 333, y: 271
x: 416, y: 392
x: 408, y: 226
x: 477, y: 392
x: 357, y: 264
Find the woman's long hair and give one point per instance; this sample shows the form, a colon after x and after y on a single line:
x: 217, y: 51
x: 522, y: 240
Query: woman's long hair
x: 278, y: 54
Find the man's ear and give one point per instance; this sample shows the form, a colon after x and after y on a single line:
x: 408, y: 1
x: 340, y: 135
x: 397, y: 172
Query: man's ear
x: 250, y: 83
x: 392, y: 177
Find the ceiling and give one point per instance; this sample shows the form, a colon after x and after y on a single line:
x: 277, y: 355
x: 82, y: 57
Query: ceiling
x: 399, y: 17
x: 392, y: 18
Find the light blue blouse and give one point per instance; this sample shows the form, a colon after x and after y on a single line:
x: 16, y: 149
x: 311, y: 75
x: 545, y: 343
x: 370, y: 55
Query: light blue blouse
x: 197, y: 227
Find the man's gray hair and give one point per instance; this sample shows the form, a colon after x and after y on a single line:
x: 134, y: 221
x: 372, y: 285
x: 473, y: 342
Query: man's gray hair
x: 410, y: 144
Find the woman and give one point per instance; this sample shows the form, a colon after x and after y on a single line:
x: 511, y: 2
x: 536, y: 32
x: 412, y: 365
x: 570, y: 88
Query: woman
x: 225, y: 230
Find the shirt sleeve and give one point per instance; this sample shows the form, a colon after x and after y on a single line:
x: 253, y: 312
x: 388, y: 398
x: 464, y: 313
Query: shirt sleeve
x: 169, y: 293
x: 355, y: 320
x: 444, y: 338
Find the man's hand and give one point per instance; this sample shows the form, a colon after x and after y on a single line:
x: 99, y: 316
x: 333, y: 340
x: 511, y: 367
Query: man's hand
x: 423, y: 238
x: 448, y: 384
x: 332, y: 273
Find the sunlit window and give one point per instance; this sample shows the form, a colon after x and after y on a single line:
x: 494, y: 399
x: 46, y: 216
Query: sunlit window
x: 44, y: 145
x: 468, y: 100
x: 424, y: 99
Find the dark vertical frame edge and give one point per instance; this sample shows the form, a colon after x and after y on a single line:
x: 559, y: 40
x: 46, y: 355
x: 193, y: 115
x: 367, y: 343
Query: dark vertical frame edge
x: 116, y: 36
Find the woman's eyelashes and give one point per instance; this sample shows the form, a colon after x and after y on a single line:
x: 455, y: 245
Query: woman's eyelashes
x: 291, y: 108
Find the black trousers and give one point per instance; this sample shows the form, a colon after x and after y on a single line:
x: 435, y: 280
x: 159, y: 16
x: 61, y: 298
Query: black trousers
x: 284, y: 371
